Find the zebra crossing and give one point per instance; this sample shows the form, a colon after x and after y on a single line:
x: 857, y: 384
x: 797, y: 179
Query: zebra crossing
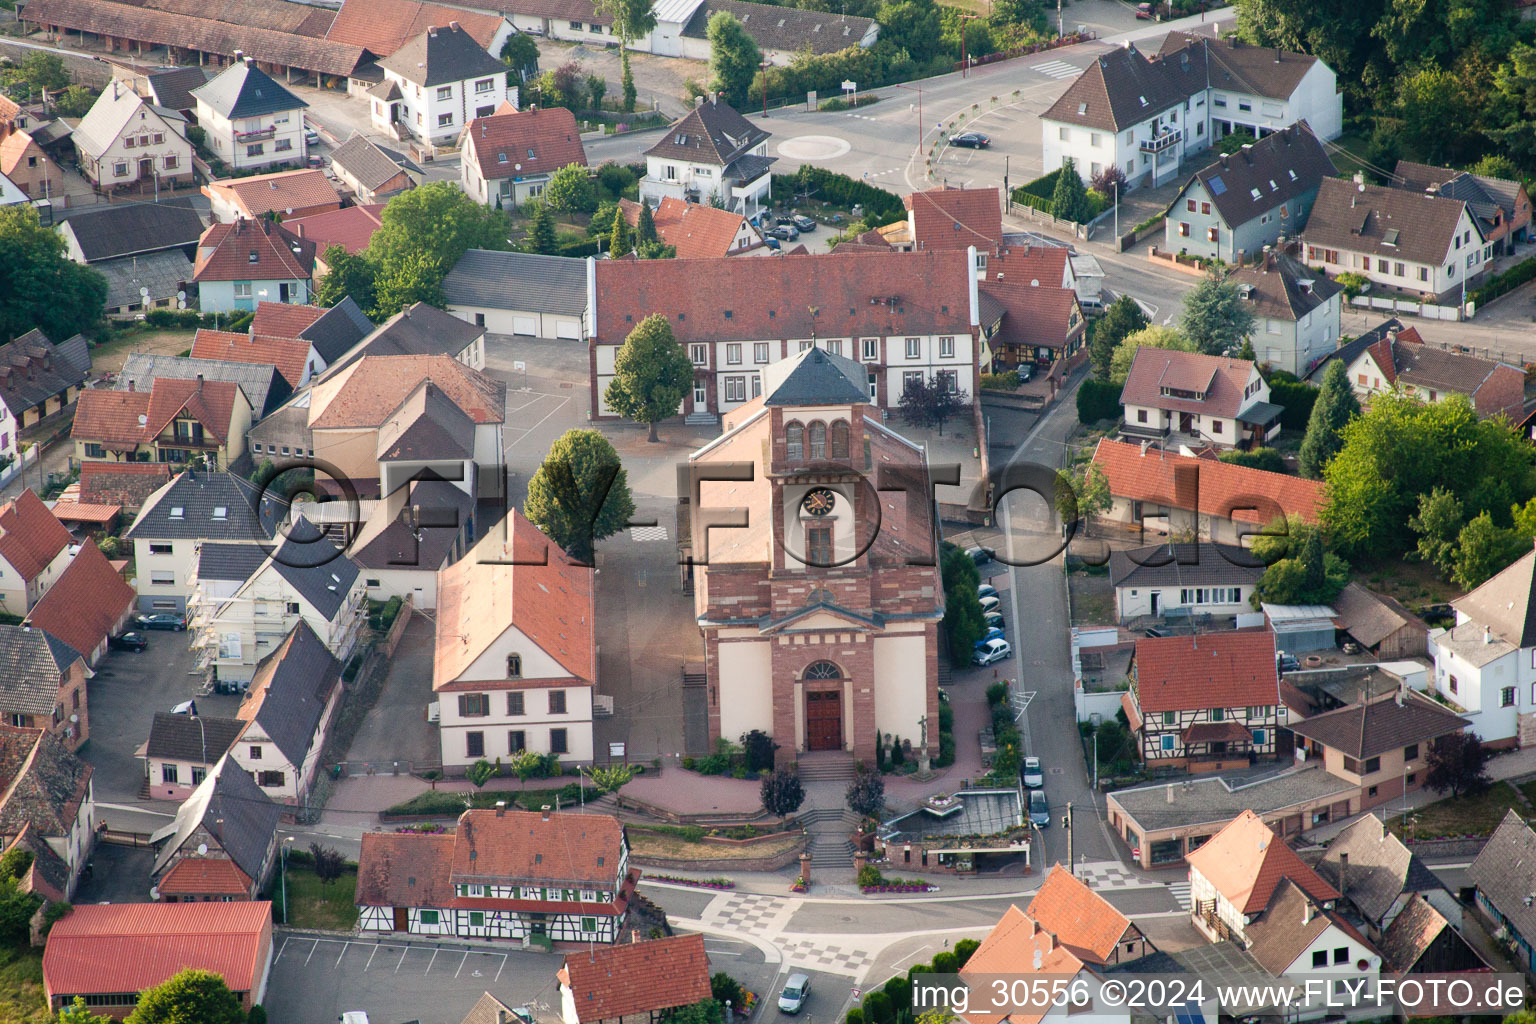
x: 1057, y: 69
x: 1180, y: 892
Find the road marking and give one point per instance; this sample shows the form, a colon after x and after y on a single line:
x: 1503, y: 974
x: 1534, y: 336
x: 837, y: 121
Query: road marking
x: 344, y: 946
x: 647, y: 533
x: 403, y: 952
x: 280, y: 949
x: 311, y: 952
x: 500, y: 969
x: 461, y: 963
x: 546, y: 416
x: 722, y: 952
x: 370, y: 959
x: 430, y: 963
x: 1056, y: 69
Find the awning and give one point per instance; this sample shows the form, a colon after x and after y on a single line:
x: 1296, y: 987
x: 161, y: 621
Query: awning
x: 1215, y: 732
x: 1261, y: 414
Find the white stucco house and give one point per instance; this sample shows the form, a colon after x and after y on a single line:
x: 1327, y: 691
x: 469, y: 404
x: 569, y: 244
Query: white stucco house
x: 1485, y: 665
x: 437, y: 83
x: 510, y: 155
x: 250, y: 119
x: 712, y: 151
x: 1215, y: 400
x: 126, y: 141
x: 1296, y: 312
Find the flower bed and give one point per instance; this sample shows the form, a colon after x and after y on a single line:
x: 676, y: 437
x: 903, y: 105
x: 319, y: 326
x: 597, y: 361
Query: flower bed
x: 424, y: 828
x: 918, y: 886
x: 697, y: 883
x: 800, y: 886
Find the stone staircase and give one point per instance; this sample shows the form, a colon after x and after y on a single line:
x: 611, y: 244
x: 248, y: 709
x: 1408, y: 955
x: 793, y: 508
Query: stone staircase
x: 825, y: 766
x: 828, y: 829
x: 702, y: 419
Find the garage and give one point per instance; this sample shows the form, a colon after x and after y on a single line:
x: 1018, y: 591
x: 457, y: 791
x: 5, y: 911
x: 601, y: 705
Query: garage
x: 523, y: 294
x: 568, y: 329
x: 526, y: 325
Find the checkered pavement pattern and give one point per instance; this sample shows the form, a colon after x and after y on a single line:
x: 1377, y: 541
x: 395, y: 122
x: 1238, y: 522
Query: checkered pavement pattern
x: 647, y: 533
x: 1106, y: 874
x: 749, y: 912
x: 831, y: 958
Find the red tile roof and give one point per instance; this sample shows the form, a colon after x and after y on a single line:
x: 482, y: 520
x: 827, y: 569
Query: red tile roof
x: 1010, y: 948
x: 1083, y: 920
x: 75, y: 512
x: 954, y: 218
x: 306, y: 190
x: 1212, y: 670
x: 30, y: 536
x: 224, y: 253
x: 579, y: 849
x: 129, y: 947
x: 1221, y: 379
x: 367, y: 392
x: 87, y: 604
x: 1218, y: 488
x: 1034, y: 315
x: 127, y: 484
x: 289, y: 355
x: 126, y: 419
x: 1245, y: 861
x: 383, y: 26
x: 204, y: 876
x: 284, y: 319
x: 551, y: 134
x: 637, y: 977
x: 351, y: 228
x: 1044, y: 263
x: 404, y: 870
x: 695, y: 230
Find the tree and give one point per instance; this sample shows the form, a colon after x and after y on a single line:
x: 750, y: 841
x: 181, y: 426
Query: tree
x: 521, y: 54
x: 866, y: 793
x: 1069, y: 201
x: 705, y: 1011
x: 422, y: 235
x: 349, y: 274
x: 631, y: 20
x: 541, y: 232
x: 15, y: 863
x: 645, y: 228
x: 403, y: 282
x: 570, y: 190
x: 16, y: 910
x: 188, y: 997
x: 329, y: 864
x: 1431, y: 107
x: 1496, y: 165
x: 1438, y: 524
x: 79, y: 1013
x: 911, y: 25
x: 569, y: 83
x: 76, y: 101
x: 1215, y: 317
x: 733, y: 57
x: 1512, y: 107
x: 932, y: 402
x: 44, y: 70
x: 1155, y: 336
x: 1482, y: 549
x: 726, y: 989
x: 1336, y: 405
x: 580, y: 494
x: 651, y: 375
x: 597, y: 88
x: 782, y: 792
x: 1123, y: 317
x: 618, y: 239
x: 39, y: 286
x: 1457, y: 762
x: 259, y: 1013
x: 263, y: 474
x: 1299, y: 567
x: 1082, y: 495
x: 1109, y: 182
x: 656, y: 251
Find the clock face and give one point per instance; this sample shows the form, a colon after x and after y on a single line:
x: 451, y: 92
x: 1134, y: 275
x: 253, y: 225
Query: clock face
x: 819, y: 501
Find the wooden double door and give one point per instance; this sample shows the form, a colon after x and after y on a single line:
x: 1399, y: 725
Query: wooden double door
x: 824, y: 719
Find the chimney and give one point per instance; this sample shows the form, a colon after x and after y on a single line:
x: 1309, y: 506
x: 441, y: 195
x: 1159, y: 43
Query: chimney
x: 714, y: 99
x: 199, y: 383
x: 1306, y: 912
x: 698, y: 100
x: 501, y: 809
x: 432, y: 31
x: 1343, y: 873
x: 131, y: 385
x: 544, y: 811
x: 1144, y: 448
x: 1487, y: 635
x: 455, y: 26
x: 1170, y: 792
x: 1224, y: 163
x: 1358, y: 178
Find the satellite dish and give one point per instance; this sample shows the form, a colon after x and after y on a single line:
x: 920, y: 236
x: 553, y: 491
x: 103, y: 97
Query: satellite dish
x: 181, y: 294
x: 202, y: 849
x: 144, y: 291
x: 74, y: 718
x: 517, y: 167
x: 181, y: 303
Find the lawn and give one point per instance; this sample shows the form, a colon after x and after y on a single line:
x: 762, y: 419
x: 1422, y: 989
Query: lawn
x: 111, y: 356
x: 1093, y: 600
x: 653, y: 844
x: 314, y: 905
x: 1415, y: 584
x: 21, y: 987
x: 1353, y: 159
x: 1465, y: 815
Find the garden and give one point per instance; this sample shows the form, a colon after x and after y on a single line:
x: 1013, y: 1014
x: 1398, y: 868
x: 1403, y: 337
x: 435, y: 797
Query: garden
x: 891, y: 1003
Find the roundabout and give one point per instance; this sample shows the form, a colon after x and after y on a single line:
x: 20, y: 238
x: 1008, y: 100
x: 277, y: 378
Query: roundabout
x: 813, y: 147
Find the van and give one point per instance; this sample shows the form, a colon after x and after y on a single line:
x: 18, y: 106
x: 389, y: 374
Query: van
x: 1039, y: 809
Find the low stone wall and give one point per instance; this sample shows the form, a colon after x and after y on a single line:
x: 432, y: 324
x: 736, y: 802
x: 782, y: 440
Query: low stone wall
x: 666, y: 814
x: 773, y: 863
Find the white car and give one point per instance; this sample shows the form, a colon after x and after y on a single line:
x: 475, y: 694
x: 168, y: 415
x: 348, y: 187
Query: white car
x: 353, y: 1017
x: 1033, y: 775
x: 991, y: 603
x: 796, y: 990
x: 992, y: 650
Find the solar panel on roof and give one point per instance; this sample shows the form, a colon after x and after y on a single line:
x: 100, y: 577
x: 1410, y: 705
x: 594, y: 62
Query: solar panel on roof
x: 1218, y: 186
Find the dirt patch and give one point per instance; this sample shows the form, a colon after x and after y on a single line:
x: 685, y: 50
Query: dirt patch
x: 658, y: 80
x: 110, y: 357
x: 671, y: 848
x: 1416, y: 584
x: 1093, y: 599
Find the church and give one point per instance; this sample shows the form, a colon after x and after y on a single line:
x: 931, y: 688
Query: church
x: 812, y: 545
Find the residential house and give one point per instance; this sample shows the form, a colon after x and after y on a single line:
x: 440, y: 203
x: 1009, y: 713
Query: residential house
x: 331, y: 333
x: 908, y: 316
x: 800, y: 641
x: 510, y: 155
x: 222, y: 845
x: 27, y: 166
x: 1504, y: 873
x: 287, y: 711
x: 489, y: 1010
x: 1296, y: 312
x: 42, y: 685
x: 1502, y: 207
x: 1020, y: 948
x: 628, y: 980
x: 418, y: 330
x: 294, y: 359
x: 137, y: 246
x: 1401, y: 361
x: 90, y: 603
x: 1029, y: 318
x: 1484, y: 664
x: 1350, y: 350
x: 47, y: 876
x: 698, y: 231
x: 1422, y: 940
x: 306, y: 578
x: 436, y: 84
x: 1084, y: 922
x: 1379, y: 877
x: 1183, y: 579
x: 1260, y: 89
x: 126, y: 485
x: 1414, y: 241
x: 124, y: 141
x: 34, y: 552
x: 10, y: 195
x: 516, y: 659
x: 501, y: 875
x: 241, y: 264
x: 712, y: 152
x: 957, y: 218
x: 169, y: 87
x: 351, y: 227
x: 1214, y: 400
x: 373, y: 173
x: 250, y: 120
x: 47, y: 792
x: 520, y: 293
x: 1235, y: 875
x: 108, y: 954
x: 1179, y: 495
x: 182, y: 749
x: 38, y: 379
x: 290, y: 194
x: 193, y: 509
x: 414, y: 532
x: 1298, y: 936
x: 1380, y: 624
x: 1245, y: 201
x: 175, y: 421
x: 1206, y: 700
x: 261, y: 383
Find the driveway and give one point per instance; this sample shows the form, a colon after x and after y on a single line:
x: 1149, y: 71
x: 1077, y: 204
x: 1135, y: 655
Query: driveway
x: 397, y: 730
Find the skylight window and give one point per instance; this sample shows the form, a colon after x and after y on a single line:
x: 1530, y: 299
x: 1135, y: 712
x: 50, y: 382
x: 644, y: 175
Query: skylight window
x: 1254, y: 192
x: 1218, y: 187
x: 1390, y: 237
x: 221, y: 512
x: 1082, y: 108
x: 1143, y: 100
x: 1293, y: 175
x: 1272, y: 186
x: 177, y: 512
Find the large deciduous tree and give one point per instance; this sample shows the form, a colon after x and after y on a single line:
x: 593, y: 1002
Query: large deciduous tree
x: 1121, y: 318
x: 1215, y: 317
x: 1155, y: 336
x: 631, y: 20
x: 733, y: 57
x: 580, y: 494
x: 651, y: 374
x: 782, y: 792
x: 570, y: 190
x: 422, y: 234
x: 188, y: 997
x: 1458, y: 763
x: 348, y: 274
x: 932, y: 402
x: 1336, y: 405
x: 39, y: 286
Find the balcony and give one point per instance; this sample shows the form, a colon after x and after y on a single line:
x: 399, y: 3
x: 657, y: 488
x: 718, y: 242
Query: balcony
x: 258, y: 135
x: 1169, y: 138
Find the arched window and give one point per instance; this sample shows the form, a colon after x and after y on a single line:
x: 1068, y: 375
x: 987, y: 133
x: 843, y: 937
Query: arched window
x: 823, y: 670
x: 840, y: 439
x: 818, y: 440
x: 794, y: 441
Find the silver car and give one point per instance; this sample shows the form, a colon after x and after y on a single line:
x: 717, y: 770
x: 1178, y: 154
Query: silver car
x: 796, y: 990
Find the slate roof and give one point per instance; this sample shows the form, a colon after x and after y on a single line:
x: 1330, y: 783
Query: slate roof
x: 1280, y: 167
x: 1187, y: 564
x: 1084, y: 922
x: 954, y: 218
x: 230, y: 562
x: 366, y: 391
x: 1380, y: 869
x: 1366, y: 730
x: 525, y: 142
x: 1235, y: 65
x: 1224, y: 669
x: 711, y: 133
x: 341, y: 327
x: 518, y: 280
x: 31, y: 536
x: 1221, y: 381
x: 289, y: 356
x: 32, y: 664
x: 388, y: 541
x: 1487, y: 195
x: 1246, y: 861
x: 351, y: 227
x: 1361, y: 218
x: 110, y: 114
x: 163, y: 273
x: 48, y: 875
x: 571, y: 10
x: 33, y: 370
x: 1219, y: 488
x: 786, y: 29
x: 427, y: 425
x: 384, y: 26
x: 1122, y: 88
x: 637, y: 977
x: 198, y: 496
x: 421, y: 331
x: 133, y: 229
x: 1283, y: 288
x: 442, y: 54
x: 224, y: 253
x: 1292, y: 922
x: 122, y: 420
x: 289, y: 692
x: 371, y: 164
x: 126, y: 484
x: 1505, y: 605
x: 1370, y: 618
x: 250, y: 819
x: 315, y: 567
x: 43, y: 783
x: 815, y: 377
x: 565, y: 848
x: 1505, y: 872
x: 86, y: 604
x: 281, y: 191
x: 261, y: 384
x: 175, y: 737
x: 243, y: 90
x: 172, y: 87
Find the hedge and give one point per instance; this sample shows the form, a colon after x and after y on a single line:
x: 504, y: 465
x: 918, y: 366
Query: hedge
x: 1296, y: 398
x: 1099, y: 400
x: 841, y: 190
x: 1043, y: 186
x: 1508, y: 281
x: 1266, y: 459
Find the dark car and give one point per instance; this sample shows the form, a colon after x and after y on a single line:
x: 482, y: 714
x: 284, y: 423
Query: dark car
x: 1026, y: 372
x: 162, y: 620
x: 971, y: 140
x: 128, y: 642
x: 1144, y: 12
x: 981, y: 556
x: 1289, y: 662
x: 771, y: 242
x: 786, y: 232
x: 803, y: 222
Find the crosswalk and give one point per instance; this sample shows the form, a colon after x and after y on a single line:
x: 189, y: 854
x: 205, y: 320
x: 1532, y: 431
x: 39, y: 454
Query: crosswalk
x: 1057, y: 69
x: 1180, y: 892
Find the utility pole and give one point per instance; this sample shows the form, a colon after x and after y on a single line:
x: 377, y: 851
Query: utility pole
x: 1007, y: 196
x: 1066, y: 823
x: 1096, y: 732
x: 1059, y: 32
x: 965, y: 63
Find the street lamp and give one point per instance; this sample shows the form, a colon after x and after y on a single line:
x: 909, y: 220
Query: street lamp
x: 764, y: 66
x: 1116, y: 181
x: 919, y: 90
x: 286, y: 841
x: 964, y: 61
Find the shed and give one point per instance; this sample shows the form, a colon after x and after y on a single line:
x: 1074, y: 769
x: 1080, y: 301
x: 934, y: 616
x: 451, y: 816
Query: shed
x: 1299, y: 628
x: 1381, y: 624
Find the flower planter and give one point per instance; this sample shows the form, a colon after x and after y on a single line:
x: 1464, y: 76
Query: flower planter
x: 696, y: 883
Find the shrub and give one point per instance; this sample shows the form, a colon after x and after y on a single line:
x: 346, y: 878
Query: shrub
x: 328, y: 863
x: 1257, y: 458
x: 963, y: 950
x: 1001, y: 381
x: 1296, y: 398
x: 1098, y: 400
x: 870, y: 875
x: 946, y: 963
x: 900, y: 991
x: 481, y: 772
x: 782, y: 792
x: 1511, y: 279
x: 258, y: 1014
x: 430, y: 803
x: 855, y: 1016
x: 1352, y: 283
x: 878, y: 1008
x: 841, y: 190
x: 838, y: 103
x: 758, y: 747
x: 997, y: 694
x: 353, y: 666
x: 866, y: 793
x: 725, y: 989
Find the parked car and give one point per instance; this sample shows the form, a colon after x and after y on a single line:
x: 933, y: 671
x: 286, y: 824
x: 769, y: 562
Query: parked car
x: 353, y: 1017
x: 991, y: 634
x: 1289, y: 662
x: 796, y: 989
x: 986, y: 590
x: 771, y: 242
x: 1031, y: 772
x: 786, y: 232
x: 315, y: 161
x: 128, y: 642
x: 981, y: 556
x: 970, y: 140
x: 311, y: 137
x: 994, y: 620
x: 991, y: 604
x: 1026, y: 372
x: 803, y: 222
x: 1039, y: 809
x: 990, y: 651
x: 1144, y: 12
x: 162, y: 620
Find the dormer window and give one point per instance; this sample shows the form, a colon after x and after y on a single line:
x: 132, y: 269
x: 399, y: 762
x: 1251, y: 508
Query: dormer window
x: 255, y: 256
x: 501, y: 158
